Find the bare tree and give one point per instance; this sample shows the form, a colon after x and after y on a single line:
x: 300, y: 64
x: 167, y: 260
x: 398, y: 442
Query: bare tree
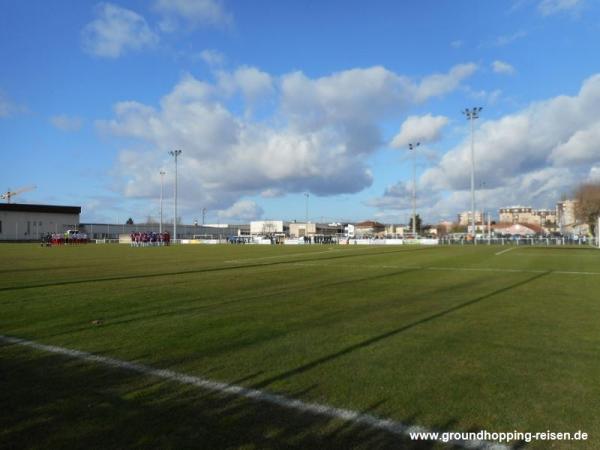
x: 587, y: 208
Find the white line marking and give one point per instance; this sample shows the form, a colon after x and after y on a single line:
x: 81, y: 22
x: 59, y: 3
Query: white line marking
x: 487, y: 269
x: 369, y: 420
x: 566, y: 272
x: 450, y: 269
x: 281, y: 256
x: 505, y: 251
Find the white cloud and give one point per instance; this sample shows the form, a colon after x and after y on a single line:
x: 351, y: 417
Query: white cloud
x: 318, y: 139
x: 212, y: 57
x: 254, y: 84
x: 440, y: 84
x: 531, y: 156
x: 594, y: 175
x: 549, y: 7
x: 396, y: 203
x: 370, y: 92
x: 242, y: 210
x: 272, y: 193
x: 115, y: 31
x: 503, y: 68
x: 421, y: 129
x: 395, y: 197
x: 192, y: 13
x: 351, y: 95
x: 457, y: 43
x: 506, y: 39
x: 581, y: 148
x: 487, y: 97
x: 66, y: 123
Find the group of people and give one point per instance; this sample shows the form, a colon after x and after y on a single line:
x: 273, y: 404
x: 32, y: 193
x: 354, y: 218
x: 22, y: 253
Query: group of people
x: 67, y: 238
x: 150, y: 239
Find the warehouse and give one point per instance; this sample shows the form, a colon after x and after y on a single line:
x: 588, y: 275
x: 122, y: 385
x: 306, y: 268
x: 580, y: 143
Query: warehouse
x: 21, y: 222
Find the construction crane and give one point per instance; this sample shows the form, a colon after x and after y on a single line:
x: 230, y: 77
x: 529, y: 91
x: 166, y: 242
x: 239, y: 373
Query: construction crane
x: 9, y: 194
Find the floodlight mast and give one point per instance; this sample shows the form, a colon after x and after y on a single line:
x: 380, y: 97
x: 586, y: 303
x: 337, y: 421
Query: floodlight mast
x: 413, y: 150
x: 306, y: 194
x: 471, y: 115
x: 175, y: 154
x: 162, y: 176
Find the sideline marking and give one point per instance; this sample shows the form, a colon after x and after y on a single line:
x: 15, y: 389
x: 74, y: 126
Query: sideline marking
x: 347, y: 415
x: 505, y: 251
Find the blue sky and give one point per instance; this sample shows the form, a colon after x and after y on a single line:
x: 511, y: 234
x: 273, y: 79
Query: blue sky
x: 272, y: 99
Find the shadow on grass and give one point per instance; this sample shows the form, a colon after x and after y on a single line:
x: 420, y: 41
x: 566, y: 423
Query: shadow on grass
x: 203, y: 270
x: 388, y: 334
x: 38, y: 269
x: 159, y: 311
x: 50, y: 401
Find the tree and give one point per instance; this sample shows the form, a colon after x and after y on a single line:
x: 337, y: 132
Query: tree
x: 418, y: 223
x: 129, y: 221
x: 587, y: 208
x: 458, y: 228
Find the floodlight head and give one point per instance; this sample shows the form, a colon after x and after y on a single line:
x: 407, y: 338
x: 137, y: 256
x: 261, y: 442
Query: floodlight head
x: 472, y: 113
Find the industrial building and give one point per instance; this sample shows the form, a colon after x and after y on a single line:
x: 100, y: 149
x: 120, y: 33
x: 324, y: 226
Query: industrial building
x: 23, y: 222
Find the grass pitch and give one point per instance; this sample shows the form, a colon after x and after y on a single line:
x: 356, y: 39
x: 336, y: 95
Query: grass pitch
x: 450, y: 338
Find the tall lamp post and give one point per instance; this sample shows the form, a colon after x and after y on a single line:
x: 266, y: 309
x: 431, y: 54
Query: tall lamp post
x: 482, y: 206
x: 162, y: 177
x: 471, y: 115
x: 413, y: 150
x: 306, y: 194
x: 175, y: 154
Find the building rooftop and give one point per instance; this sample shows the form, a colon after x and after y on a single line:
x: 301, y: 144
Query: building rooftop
x: 56, y: 209
x: 369, y: 223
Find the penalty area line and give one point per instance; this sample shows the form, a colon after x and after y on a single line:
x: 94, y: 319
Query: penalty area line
x: 347, y: 415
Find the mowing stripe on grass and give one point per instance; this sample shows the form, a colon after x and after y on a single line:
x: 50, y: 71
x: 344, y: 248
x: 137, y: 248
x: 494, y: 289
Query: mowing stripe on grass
x: 368, y: 420
x: 307, y: 253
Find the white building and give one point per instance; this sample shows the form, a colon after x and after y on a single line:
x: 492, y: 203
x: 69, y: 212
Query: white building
x: 302, y: 229
x: 517, y: 214
x: 266, y: 227
x: 22, y: 222
x: 464, y: 218
x: 565, y: 212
